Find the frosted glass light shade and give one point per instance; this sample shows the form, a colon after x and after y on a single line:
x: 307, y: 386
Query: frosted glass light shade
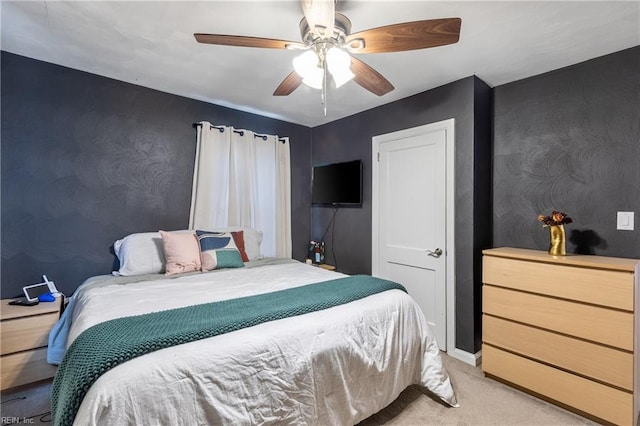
x: 339, y: 65
x: 342, y: 76
x: 306, y: 63
x: 314, y: 78
x: 338, y: 58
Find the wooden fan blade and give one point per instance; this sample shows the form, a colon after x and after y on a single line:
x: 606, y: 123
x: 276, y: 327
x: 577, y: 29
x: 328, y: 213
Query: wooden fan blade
x: 288, y: 85
x: 369, y: 78
x: 243, y: 41
x: 407, y: 36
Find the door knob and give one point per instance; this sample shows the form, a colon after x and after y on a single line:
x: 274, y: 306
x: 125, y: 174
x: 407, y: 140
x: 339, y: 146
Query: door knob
x: 436, y: 253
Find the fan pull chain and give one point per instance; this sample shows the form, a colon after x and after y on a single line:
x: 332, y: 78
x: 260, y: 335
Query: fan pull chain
x: 324, y: 87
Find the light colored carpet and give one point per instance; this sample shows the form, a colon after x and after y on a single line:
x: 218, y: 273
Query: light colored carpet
x: 30, y: 405
x: 482, y: 402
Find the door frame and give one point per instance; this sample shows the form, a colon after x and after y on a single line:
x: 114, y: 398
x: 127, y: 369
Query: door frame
x: 448, y: 126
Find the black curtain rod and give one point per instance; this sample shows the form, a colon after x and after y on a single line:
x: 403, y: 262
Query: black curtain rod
x: 240, y: 132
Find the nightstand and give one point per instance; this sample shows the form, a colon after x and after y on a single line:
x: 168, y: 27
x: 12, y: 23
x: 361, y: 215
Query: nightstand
x: 24, y: 332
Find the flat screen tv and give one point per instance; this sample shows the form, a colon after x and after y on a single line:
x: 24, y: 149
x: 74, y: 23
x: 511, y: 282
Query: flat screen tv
x: 337, y: 184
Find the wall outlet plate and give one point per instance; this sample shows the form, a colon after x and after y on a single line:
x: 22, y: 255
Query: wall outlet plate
x: 625, y: 221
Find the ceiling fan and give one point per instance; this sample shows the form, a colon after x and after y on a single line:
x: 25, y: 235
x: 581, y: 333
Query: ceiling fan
x: 327, y: 43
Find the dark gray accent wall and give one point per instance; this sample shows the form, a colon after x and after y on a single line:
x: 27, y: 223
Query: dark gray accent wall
x: 87, y: 160
x: 569, y: 140
x: 469, y: 102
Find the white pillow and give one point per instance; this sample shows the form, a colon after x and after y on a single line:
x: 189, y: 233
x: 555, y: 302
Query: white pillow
x: 252, y: 240
x: 141, y: 253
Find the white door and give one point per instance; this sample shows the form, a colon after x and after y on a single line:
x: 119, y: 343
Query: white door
x: 410, y: 232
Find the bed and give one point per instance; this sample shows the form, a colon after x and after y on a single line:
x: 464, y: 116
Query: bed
x: 337, y: 365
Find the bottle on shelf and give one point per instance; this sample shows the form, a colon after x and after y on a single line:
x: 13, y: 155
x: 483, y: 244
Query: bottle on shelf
x: 316, y: 252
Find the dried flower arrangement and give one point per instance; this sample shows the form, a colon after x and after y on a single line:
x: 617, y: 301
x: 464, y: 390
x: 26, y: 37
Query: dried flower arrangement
x: 556, y: 218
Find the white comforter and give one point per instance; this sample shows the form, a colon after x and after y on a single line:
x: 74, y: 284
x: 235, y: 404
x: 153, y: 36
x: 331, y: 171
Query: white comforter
x: 336, y: 366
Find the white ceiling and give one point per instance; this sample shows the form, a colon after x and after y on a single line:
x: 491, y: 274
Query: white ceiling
x: 150, y: 43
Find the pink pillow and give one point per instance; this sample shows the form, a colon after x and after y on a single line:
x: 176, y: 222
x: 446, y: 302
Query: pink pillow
x: 181, y: 252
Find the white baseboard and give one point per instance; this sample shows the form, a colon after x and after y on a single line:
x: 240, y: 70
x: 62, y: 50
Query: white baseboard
x: 467, y: 357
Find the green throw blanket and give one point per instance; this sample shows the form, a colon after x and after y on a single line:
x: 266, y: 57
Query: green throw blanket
x: 105, y: 345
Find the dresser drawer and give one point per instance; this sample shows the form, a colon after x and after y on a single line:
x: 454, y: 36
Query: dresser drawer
x: 606, y: 326
x: 25, y: 333
x: 601, y: 287
x: 25, y: 367
x: 599, y: 362
x: 612, y: 405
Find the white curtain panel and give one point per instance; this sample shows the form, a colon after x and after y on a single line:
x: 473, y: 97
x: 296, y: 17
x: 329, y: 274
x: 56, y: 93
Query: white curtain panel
x: 243, y: 179
x: 211, y: 176
x: 283, y: 197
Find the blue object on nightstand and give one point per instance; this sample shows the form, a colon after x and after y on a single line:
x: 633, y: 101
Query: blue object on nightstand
x: 47, y: 297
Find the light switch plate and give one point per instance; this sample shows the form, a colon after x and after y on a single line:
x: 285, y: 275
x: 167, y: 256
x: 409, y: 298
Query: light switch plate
x: 625, y: 221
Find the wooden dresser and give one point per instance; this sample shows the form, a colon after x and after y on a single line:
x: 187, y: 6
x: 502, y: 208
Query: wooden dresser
x: 25, y: 333
x: 566, y: 328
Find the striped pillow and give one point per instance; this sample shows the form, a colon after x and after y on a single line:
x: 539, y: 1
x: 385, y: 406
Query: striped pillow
x: 218, y: 250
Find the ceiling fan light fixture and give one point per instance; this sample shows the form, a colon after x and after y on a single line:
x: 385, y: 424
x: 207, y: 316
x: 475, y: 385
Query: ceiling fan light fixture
x: 322, y: 29
x: 339, y: 65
